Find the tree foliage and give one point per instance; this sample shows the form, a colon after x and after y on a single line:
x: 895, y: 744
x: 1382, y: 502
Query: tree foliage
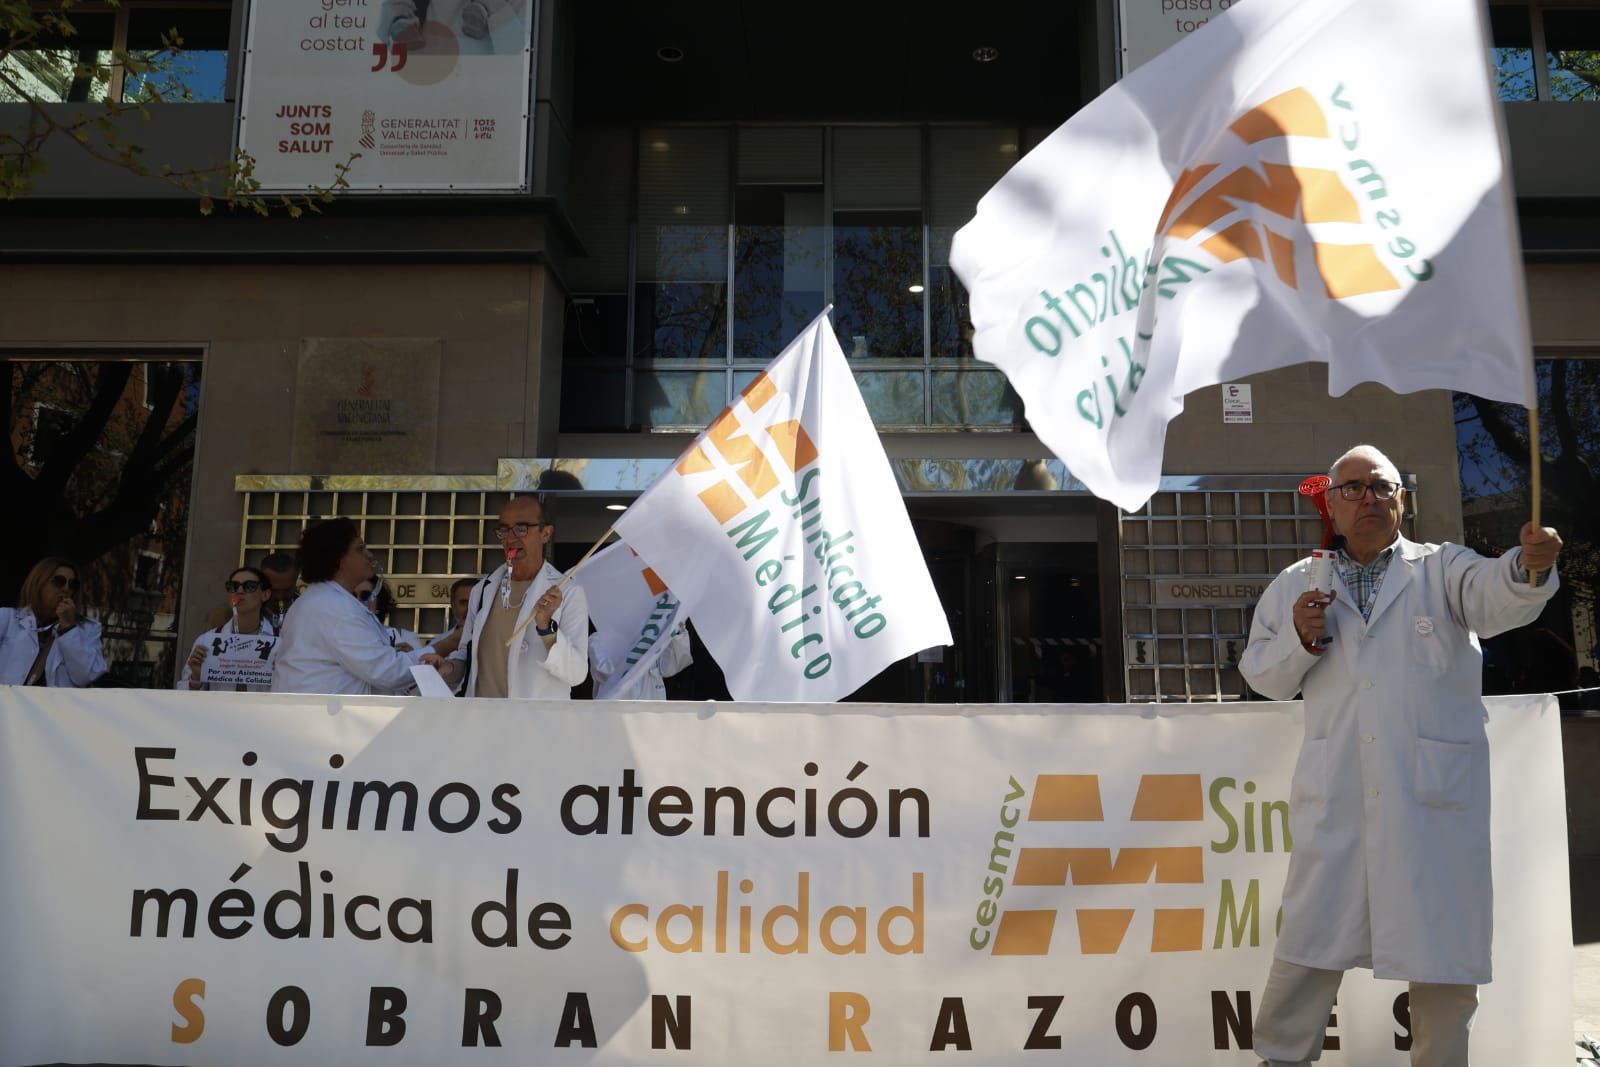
x: 41, y: 63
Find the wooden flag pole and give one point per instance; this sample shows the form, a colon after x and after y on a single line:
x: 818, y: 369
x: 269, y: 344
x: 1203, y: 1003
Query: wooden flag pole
x: 1534, y: 577
x: 565, y: 578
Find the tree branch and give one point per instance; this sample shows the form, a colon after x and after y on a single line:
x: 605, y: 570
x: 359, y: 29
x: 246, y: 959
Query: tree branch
x: 108, y: 387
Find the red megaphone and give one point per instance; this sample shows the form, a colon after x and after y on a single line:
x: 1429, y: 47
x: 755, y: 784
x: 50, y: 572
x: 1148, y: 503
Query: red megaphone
x: 1316, y: 487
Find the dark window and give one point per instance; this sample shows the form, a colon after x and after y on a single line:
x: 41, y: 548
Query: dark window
x: 1561, y: 650
x: 198, y: 73
x: 1572, y: 52
x: 1511, y: 35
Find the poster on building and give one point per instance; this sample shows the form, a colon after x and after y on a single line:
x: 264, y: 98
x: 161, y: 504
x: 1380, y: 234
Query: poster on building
x: 237, y: 659
x: 415, y: 95
x: 1150, y: 27
x: 279, y: 879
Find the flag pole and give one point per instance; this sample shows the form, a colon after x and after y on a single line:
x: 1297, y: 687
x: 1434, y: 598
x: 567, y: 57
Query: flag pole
x: 565, y: 578
x: 1535, y: 578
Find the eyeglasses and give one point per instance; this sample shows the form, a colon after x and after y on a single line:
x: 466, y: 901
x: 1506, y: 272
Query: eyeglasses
x: 519, y: 530
x: 60, y: 581
x: 1381, y: 490
x: 242, y: 587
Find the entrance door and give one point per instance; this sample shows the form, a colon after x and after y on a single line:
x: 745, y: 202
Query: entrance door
x: 1048, y: 646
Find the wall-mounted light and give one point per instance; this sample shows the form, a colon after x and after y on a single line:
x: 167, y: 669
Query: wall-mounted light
x: 985, y: 54
x: 616, y: 507
x: 659, y: 146
x: 1008, y: 149
x: 913, y: 288
x: 669, y: 53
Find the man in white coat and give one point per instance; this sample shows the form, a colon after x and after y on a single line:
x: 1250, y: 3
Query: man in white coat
x: 1390, y: 798
x: 524, y: 636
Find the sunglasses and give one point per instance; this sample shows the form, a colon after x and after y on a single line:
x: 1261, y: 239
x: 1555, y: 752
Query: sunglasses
x: 363, y: 595
x: 242, y: 587
x: 60, y: 582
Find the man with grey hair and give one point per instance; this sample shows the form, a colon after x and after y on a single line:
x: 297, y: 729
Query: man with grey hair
x: 1389, y: 805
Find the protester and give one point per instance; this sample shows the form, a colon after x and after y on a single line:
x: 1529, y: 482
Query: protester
x: 375, y: 595
x: 330, y: 642
x: 283, y: 574
x: 460, y: 595
x: 248, y: 590
x: 651, y: 684
x: 550, y: 654
x: 1390, y: 796
x: 43, y: 640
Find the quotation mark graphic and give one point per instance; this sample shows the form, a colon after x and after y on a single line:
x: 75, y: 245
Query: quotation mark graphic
x: 382, y: 50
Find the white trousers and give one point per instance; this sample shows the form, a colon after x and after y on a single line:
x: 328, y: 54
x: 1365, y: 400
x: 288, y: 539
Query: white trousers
x: 1293, y: 1018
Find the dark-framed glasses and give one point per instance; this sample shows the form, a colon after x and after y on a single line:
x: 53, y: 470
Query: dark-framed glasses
x: 248, y: 586
x: 61, y: 581
x: 1381, y: 490
x: 363, y: 595
x: 520, y: 529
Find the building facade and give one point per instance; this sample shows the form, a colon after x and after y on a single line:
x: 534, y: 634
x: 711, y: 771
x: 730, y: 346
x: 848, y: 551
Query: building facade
x: 701, y: 180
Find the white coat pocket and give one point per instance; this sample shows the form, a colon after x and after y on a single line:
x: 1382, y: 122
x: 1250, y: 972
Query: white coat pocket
x: 1444, y: 773
x: 1310, y: 784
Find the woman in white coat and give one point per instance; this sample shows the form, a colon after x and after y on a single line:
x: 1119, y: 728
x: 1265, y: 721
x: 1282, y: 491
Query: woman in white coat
x: 330, y: 642
x: 248, y: 591
x: 1389, y: 805
x: 43, y: 640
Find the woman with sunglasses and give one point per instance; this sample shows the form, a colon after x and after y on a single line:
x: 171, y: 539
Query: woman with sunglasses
x: 248, y: 591
x: 43, y: 640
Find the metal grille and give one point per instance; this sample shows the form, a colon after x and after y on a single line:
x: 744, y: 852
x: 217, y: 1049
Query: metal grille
x: 1193, y: 563
x: 423, y: 539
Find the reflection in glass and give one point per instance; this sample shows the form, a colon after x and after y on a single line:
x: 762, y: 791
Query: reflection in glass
x: 1572, y: 42
x: 877, y: 283
x: 53, y: 68
x: 679, y: 399
x: 1492, y: 446
x: 975, y: 398
x: 894, y: 398
x: 1512, y: 35
x: 197, y: 74
x: 681, y: 320
x: 778, y: 266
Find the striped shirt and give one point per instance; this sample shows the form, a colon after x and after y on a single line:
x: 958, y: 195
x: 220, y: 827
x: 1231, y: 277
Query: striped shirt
x: 1364, y: 580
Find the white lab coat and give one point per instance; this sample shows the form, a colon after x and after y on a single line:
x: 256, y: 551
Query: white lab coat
x: 75, y: 659
x: 1389, y: 805
x: 650, y: 685
x: 532, y: 671
x: 227, y: 627
x: 331, y: 643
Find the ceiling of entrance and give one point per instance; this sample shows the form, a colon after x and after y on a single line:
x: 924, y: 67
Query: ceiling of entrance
x: 761, y: 60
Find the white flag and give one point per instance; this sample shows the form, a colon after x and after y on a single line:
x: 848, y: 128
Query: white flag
x: 634, y: 614
x: 783, y: 533
x: 1294, y: 182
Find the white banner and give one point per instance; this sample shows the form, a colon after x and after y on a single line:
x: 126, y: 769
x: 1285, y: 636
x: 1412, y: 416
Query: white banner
x: 634, y: 614
x: 433, y: 94
x: 782, y: 531
x: 1295, y: 182
x: 195, y: 879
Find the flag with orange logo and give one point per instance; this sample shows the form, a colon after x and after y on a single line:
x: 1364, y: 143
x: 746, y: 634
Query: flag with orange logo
x: 634, y: 615
x: 782, y: 531
x: 1292, y: 183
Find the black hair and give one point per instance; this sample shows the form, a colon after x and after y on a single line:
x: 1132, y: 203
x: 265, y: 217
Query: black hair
x: 323, y: 544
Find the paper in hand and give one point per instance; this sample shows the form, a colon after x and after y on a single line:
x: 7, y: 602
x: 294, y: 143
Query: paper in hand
x: 429, y: 682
